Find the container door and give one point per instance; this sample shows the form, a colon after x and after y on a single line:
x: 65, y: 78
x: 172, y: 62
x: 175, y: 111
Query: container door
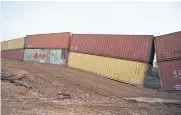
x: 42, y: 56
x: 51, y: 56
x: 54, y: 57
x: 60, y: 57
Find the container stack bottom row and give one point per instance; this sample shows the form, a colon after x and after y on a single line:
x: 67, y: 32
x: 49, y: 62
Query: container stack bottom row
x: 14, y: 54
x: 126, y: 71
x: 50, y: 56
x: 171, y: 74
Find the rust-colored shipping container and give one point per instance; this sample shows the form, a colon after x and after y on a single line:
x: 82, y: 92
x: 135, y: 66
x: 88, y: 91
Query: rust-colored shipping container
x: 170, y: 72
x: 16, y: 54
x: 168, y: 47
x: 52, y: 40
x: 130, y: 47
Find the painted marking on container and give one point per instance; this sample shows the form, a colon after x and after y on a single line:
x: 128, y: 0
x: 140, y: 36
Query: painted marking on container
x: 174, y: 73
x: 177, y: 74
x: 36, y: 55
x: 177, y: 51
x: 177, y: 87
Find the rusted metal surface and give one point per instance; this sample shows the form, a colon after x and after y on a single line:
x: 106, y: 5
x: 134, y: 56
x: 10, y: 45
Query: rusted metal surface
x: 13, y: 54
x: 131, y: 47
x: 168, y: 46
x: 170, y: 72
x: 53, y: 40
x: 52, y: 56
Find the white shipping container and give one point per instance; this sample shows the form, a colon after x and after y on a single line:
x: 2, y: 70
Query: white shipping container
x: 51, y: 56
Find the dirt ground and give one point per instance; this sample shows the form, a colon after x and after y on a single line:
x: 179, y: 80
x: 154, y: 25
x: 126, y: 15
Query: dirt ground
x: 29, y: 88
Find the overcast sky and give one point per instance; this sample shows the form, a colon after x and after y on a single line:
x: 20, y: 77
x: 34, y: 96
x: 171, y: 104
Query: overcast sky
x: 21, y: 18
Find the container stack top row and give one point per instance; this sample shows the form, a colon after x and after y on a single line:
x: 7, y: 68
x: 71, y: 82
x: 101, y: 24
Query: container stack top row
x: 53, y: 40
x: 168, y: 47
x: 131, y: 47
x: 39, y: 41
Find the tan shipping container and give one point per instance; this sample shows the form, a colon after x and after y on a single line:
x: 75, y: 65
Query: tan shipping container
x: 13, y: 44
x: 4, y: 45
x: 131, y: 72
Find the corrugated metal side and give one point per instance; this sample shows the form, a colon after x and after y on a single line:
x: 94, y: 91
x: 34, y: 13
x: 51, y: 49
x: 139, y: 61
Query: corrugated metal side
x: 13, y: 54
x: 4, y: 45
x: 53, y: 40
x: 4, y: 54
x: 16, y: 43
x: 52, y: 56
x: 13, y: 44
x: 170, y: 72
x: 168, y: 46
x: 131, y: 47
x: 122, y: 70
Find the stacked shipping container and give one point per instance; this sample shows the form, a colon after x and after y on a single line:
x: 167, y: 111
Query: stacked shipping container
x: 121, y: 57
x: 168, y: 52
x: 16, y: 54
x: 122, y: 70
x: 130, y: 47
x: 47, y: 48
x: 13, y: 49
x: 126, y: 58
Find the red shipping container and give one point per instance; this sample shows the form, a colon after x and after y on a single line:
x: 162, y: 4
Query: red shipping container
x: 4, y: 54
x: 168, y: 47
x: 52, y: 40
x: 17, y: 54
x: 170, y: 73
x: 131, y: 47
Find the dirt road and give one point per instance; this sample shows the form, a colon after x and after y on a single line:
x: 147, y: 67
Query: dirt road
x: 44, y: 89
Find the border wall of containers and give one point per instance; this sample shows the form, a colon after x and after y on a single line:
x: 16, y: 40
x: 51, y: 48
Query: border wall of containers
x: 130, y: 47
x: 13, y: 49
x: 168, y: 52
x: 47, y: 48
x: 131, y: 72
